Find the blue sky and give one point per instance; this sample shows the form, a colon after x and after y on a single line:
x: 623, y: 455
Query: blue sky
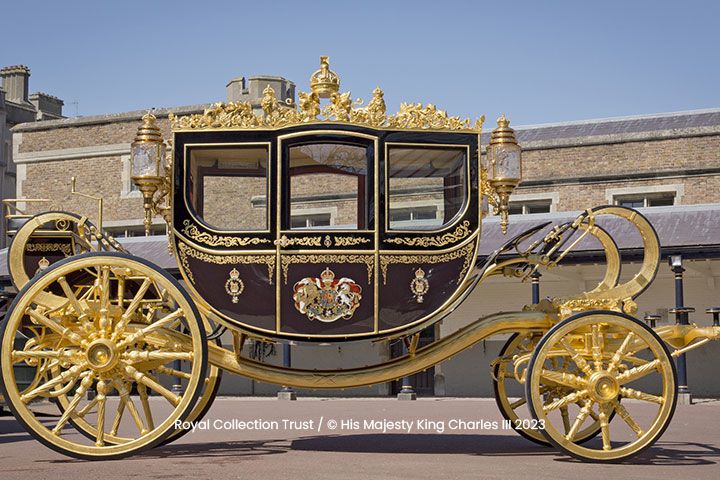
x: 538, y: 61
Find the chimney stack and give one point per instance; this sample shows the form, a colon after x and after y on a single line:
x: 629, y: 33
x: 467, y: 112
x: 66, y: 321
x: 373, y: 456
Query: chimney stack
x: 15, y: 82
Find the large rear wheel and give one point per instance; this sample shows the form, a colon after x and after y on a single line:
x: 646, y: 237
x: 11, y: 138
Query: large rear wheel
x: 114, y: 331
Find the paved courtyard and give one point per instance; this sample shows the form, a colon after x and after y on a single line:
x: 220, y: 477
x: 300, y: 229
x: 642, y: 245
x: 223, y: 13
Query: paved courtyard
x: 286, y: 440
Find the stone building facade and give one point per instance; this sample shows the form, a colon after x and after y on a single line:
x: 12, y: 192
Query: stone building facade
x: 668, y: 165
x: 18, y: 106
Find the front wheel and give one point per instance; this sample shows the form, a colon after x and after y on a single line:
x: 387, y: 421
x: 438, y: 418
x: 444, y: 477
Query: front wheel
x: 616, y: 357
x: 111, y: 325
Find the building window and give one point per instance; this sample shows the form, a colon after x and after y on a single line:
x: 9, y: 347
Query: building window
x: 530, y: 206
x: 655, y: 199
x: 126, y: 231
x: 420, y: 216
x: 310, y: 220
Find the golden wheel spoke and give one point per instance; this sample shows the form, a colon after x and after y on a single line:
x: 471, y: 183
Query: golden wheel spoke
x: 118, y: 417
x: 86, y: 409
x: 638, y: 372
x: 567, y: 399
x: 69, y: 375
x: 576, y: 357
x: 70, y: 410
x: 142, y: 391
x: 163, y: 322
x: 124, y: 392
x: 638, y: 395
x: 134, y: 304
x: 597, y: 347
x: 20, y: 355
x: 565, y: 418
x: 177, y: 373
x: 620, y: 353
x: 518, y: 403
x: 604, y: 428
x: 102, y: 391
x: 77, y: 306
x: 104, y: 323
x: 625, y: 415
x: 148, y: 356
x: 54, y: 326
x: 585, y: 411
x: 144, y: 379
x: 564, y: 378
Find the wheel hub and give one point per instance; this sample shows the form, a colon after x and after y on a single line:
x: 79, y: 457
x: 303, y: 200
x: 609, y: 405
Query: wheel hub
x: 603, y: 387
x: 102, y: 355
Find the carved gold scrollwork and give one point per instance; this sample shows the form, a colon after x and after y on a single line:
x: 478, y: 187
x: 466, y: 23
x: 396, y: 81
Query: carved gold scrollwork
x: 287, y: 260
x: 285, y: 241
x: 466, y: 253
x: 64, y: 248
x: 192, y: 232
x: 462, y: 231
x: 185, y: 251
x: 350, y: 241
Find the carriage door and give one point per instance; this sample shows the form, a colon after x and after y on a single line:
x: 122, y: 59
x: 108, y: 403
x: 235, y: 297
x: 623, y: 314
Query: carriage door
x: 327, y: 238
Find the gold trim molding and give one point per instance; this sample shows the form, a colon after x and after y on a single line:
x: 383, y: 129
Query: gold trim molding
x: 185, y: 251
x: 287, y: 260
x: 466, y: 253
x: 192, y: 232
x: 462, y: 231
x: 341, y: 108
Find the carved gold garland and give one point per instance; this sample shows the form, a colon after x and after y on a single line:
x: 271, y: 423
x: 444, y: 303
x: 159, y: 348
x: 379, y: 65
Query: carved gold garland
x: 186, y: 251
x: 466, y: 253
x: 65, y: 248
x: 192, y: 232
x: 462, y: 231
x: 350, y: 241
x: 309, y: 110
x: 287, y: 260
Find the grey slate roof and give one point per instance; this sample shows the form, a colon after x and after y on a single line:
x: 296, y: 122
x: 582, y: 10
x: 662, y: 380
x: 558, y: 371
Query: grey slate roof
x: 680, y: 228
x: 610, y: 130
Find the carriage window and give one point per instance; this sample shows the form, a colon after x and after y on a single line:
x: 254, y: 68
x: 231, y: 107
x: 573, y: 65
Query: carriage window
x: 427, y: 187
x: 228, y: 186
x: 324, y: 178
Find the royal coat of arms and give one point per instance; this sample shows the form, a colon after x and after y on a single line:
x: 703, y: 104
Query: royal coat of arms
x: 326, y: 299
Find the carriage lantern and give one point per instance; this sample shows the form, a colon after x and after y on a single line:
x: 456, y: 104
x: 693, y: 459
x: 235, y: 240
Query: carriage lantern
x: 504, y: 165
x: 147, y: 159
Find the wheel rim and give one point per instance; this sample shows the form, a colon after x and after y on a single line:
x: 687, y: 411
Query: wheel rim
x: 616, y: 356
x: 518, y: 410
x: 129, y: 327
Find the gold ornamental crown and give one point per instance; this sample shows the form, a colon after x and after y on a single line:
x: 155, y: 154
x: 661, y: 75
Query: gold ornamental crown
x: 324, y: 82
x: 234, y: 274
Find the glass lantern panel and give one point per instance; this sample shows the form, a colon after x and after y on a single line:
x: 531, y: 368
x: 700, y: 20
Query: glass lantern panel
x: 507, y: 161
x: 145, y: 160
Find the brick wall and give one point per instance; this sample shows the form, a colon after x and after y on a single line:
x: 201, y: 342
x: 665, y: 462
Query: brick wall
x: 652, y: 163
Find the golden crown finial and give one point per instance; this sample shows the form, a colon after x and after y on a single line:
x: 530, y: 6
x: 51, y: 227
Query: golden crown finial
x: 503, y: 121
x: 324, y: 82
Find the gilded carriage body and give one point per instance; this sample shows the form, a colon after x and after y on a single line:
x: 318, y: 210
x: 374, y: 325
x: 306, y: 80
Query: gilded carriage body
x: 329, y: 221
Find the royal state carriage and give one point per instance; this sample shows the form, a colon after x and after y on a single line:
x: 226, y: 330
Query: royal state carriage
x: 329, y: 221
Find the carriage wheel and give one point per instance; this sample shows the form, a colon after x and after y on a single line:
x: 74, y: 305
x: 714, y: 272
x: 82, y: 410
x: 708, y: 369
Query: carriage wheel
x: 115, y: 331
x: 517, y: 411
x: 616, y: 356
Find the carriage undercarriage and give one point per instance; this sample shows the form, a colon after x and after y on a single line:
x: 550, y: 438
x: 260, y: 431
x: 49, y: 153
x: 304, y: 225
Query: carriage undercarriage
x: 106, y: 333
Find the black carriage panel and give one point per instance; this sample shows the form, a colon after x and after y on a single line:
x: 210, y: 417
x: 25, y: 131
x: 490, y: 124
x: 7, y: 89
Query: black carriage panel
x: 429, y: 223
